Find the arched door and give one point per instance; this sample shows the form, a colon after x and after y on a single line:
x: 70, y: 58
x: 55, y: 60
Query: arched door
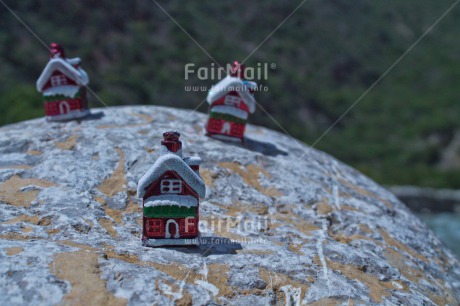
x: 64, y: 107
x: 226, y: 128
x: 172, y: 228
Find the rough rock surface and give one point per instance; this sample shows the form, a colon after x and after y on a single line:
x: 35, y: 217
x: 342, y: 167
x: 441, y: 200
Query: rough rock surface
x: 281, y: 223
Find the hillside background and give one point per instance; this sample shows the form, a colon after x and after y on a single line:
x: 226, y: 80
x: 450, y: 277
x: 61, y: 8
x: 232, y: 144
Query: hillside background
x: 327, y: 55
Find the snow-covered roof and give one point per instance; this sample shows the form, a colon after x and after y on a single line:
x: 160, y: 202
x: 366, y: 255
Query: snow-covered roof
x: 192, y: 160
x: 171, y: 162
x: 73, y: 61
x: 251, y: 85
x: 226, y: 109
x: 229, y: 84
x: 66, y: 67
x: 171, y: 199
x: 67, y: 90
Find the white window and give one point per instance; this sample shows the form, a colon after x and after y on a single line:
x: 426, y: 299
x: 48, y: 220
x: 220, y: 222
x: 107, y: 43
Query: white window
x: 171, y: 186
x: 58, y: 80
x: 232, y: 100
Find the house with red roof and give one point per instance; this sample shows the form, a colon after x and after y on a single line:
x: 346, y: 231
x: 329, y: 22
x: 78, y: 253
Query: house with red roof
x: 230, y: 103
x: 171, y: 190
x: 63, y: 86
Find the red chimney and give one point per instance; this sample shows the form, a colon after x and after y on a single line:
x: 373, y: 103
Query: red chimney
x: 238, y: 70
x: 56, y: 51
x: 171, y: 141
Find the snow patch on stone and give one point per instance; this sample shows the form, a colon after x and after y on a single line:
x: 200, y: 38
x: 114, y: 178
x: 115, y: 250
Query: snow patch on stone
x: 292, y: 295
x: 210, y: 287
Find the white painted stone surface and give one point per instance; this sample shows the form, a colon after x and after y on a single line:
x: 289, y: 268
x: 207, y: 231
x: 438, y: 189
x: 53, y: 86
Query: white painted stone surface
x: 303, y: 227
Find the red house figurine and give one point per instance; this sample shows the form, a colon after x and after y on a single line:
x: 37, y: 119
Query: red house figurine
x: 62, y: 84
x: 170, y: 192
x: 231, y: 100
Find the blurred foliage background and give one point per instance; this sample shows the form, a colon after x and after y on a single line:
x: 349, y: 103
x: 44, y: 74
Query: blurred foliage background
x: 327, y: 55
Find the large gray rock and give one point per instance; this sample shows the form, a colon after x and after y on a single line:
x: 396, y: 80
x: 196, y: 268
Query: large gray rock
x: 281, y: 223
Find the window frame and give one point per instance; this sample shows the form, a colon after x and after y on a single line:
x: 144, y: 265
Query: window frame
x: 58, y: 80
x: 171, y: 186
x: 155, y: 227
x: 232, y: 100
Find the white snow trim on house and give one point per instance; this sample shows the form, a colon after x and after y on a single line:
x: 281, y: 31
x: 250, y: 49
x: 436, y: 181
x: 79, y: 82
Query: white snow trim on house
x: 192, y: 160
x: 171, y: 199
x: 67, y: 90
x: 171, y: 162
x: 73, y: 61
x: 65, y: 66
x: 229, y: 84
x: 251, y: 85
x: 230, y: 110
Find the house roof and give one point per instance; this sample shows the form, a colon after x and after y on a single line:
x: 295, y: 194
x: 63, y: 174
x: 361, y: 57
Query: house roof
x: 229, y: 84
x: 65, y: 66
x: 171, y: 162
x: 192, y: 160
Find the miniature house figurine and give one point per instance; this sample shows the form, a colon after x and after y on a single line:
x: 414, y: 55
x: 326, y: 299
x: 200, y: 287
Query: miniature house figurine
x: 231, y: 100
x: 170, y: 192
x: 62, y: 84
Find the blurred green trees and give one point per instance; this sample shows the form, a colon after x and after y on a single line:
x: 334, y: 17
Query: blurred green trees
x: 327, y: 55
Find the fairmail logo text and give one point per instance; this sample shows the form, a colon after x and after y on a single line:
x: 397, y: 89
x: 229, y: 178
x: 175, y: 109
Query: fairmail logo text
x: 214, y: 72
